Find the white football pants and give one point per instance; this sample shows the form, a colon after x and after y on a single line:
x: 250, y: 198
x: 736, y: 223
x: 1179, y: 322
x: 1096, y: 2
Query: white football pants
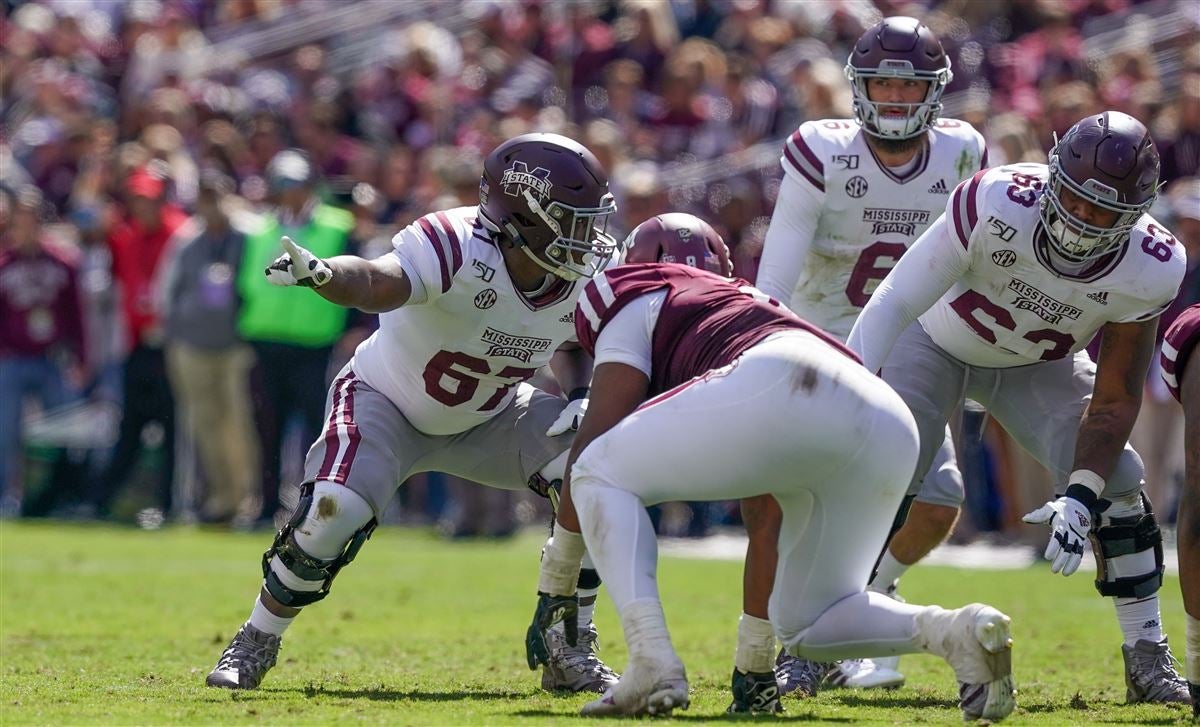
x: 792, y: 417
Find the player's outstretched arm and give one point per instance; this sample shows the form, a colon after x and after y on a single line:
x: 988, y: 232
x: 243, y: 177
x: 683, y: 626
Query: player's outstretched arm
x: 1189, y: 525
x: 374, y: 286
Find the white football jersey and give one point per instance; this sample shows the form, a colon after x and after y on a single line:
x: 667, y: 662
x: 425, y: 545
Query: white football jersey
x: 868, y: 214
x: 1008, y: 307
x: 451, y: 358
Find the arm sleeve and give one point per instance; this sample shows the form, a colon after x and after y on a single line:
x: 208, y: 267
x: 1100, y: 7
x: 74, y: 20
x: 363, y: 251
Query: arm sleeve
x: 628, y: 337
x: 934, y: 262
x: 793, y: 225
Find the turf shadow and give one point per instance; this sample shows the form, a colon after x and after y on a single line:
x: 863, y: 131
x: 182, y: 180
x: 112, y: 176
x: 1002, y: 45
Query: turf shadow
x: 383, y: 694
x: 682, y: 716
x: 912, y: 701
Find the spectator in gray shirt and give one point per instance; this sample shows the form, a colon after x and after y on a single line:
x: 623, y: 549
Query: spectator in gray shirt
x: 208, y: 363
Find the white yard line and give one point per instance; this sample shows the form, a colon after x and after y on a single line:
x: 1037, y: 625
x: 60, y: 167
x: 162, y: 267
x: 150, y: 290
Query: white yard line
x: 976, y: 556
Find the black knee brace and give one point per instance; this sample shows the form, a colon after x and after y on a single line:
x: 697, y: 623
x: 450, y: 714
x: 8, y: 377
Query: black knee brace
x: 1126, y: 536
x: 303, y: 565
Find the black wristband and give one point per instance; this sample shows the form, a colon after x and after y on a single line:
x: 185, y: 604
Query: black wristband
x: 579, y: 393
x: 1085, y: 496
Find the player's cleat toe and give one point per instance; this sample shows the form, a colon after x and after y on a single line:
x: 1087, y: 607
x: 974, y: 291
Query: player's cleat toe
x: 576, y: 668
x: 754, y: 693
x: 246, y: 660
x: 648, y: 687
x: 798, y: 675
x: 1150, y: 674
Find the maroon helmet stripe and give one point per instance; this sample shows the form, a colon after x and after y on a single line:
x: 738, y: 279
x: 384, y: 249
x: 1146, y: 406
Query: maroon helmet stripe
x: 436, y: 242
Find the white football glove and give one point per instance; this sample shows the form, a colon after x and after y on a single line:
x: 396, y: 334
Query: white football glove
x: 1070, y: 522
x: 298, y: 266
x: 570, y: 417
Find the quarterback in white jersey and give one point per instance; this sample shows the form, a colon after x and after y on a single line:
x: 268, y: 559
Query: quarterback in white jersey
x: 997, y: 300
x: 844, y: 217
x: 855, y: 195
x: 472, y: 302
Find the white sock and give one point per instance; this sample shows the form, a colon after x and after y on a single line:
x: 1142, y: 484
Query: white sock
x: 1139, y: 619
x: 755, y: 645
x: 264, y: 620
x: 1192, y: 653
x: 888, y: 575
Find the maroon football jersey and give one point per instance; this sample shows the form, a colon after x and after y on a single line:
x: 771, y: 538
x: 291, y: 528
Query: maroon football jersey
x: 705, y: 322
x: 1181, y: 340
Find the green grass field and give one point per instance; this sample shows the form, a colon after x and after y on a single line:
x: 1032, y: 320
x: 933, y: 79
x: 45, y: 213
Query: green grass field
x: 103, y: 625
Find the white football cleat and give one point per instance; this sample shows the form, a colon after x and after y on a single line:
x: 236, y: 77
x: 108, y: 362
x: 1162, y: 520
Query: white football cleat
x: 878, y: 673
x: 976, y: 641
x: 646, y: 687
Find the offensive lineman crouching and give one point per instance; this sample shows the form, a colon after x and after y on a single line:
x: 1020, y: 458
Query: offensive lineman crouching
x: 473, y: 301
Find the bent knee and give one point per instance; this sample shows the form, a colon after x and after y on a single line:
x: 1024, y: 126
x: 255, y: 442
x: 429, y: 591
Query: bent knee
x: 1127, y: 477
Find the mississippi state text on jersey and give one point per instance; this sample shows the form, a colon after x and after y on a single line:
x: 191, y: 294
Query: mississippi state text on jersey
x: 1178, y: 347
x: 705, y: 322
x: 451, y: 357
x: 869, y: 214
x: 1010, y: 307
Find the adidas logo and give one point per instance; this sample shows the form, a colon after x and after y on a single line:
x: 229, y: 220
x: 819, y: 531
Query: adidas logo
x: 1152, y: 623
x: 939, y: 188
x: 568, y: 318
x: 1101, y: 297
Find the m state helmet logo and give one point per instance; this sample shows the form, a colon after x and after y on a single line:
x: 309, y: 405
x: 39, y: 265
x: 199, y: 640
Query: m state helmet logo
x: 519, y: 175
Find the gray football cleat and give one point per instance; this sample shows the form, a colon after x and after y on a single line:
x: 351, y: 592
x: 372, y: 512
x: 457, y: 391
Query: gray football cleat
x: 795, y: 674
x: 754, y: 693
x: 576, y: 668
x: 1150, y: 674
x: 246, y: 660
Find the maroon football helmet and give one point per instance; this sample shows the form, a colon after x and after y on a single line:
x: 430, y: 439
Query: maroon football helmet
x: 1109, y: 160
x: 677, y: 237
x: 898, y: 47
x: 548, y: 195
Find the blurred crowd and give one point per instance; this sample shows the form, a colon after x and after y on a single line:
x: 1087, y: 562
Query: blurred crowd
x: 152, y: 152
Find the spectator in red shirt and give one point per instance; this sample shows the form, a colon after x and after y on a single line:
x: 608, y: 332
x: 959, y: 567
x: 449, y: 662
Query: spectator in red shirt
x: 41, y: 331
x: 138, y: 242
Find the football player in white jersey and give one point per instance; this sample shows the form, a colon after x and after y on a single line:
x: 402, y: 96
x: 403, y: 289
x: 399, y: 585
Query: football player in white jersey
x: 472, y: 301
x: 855, y: 195
x: 996, y: 302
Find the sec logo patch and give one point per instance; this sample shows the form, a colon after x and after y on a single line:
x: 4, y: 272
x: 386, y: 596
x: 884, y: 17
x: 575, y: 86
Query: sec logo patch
x: 486, y: 299
x: 1004, y: 258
